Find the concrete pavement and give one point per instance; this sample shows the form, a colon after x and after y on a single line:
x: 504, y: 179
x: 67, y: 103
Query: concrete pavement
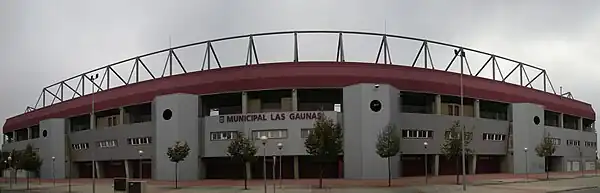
x: 489, y: 183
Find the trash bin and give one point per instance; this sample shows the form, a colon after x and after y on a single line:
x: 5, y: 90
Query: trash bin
x: 136, y: 187
x: 120, y: 184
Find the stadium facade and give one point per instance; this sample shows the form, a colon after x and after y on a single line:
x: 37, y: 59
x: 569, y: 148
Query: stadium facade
x: 130, y: 128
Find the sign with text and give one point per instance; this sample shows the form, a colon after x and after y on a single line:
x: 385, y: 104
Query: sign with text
x: 275, y: 116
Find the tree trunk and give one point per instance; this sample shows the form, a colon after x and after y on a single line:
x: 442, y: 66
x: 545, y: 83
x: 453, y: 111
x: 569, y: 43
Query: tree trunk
x: 457, y: 170
x: 245, y: 176
x: 27, y: 175
x: 176, y: 174
x: 321, y: 175
x: 547, y: 167
x: 389, y: 173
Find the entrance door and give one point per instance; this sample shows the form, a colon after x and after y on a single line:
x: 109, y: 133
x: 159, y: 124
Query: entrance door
x: 575, y: 166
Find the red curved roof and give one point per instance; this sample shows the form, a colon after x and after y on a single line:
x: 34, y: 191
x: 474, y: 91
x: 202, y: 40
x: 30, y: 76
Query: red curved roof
x: 304, y: 75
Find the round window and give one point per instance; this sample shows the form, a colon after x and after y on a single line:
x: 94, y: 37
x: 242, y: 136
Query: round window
x: 536, y: 120
x: 167, y: 114
x: 375, y: 105
x: 45, y: 133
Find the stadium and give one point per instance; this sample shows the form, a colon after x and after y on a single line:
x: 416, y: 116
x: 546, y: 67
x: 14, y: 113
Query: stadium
x: 119, y: 123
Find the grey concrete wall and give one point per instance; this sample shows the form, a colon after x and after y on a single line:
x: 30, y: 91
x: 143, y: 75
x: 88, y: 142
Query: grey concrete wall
x: 572, y: 153
x: 293, y: 144
x: 53, y: 145
x: 526, y: 134
x: 361, y: 129
x: 182, y: 126
x: 440, y: 123
x: 123, y: 150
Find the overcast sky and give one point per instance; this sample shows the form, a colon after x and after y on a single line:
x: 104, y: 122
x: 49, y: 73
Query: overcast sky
x: 42, y: 42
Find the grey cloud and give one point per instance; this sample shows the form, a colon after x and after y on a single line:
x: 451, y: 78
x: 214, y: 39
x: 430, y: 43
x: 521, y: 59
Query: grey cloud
x: 43, y: 42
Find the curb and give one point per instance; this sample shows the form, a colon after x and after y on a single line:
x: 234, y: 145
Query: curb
x: 574, y: 189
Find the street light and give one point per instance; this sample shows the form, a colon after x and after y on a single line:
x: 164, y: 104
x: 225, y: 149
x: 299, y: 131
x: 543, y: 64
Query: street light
x: 425, y: 144
x: 280, y: 147
x: 53, y: 176
x: 274, y: 175
x: 93, y: 127
x: 141, y: 153
x: 11, y: 172
x: 264, y: 139
x: 526, y: 165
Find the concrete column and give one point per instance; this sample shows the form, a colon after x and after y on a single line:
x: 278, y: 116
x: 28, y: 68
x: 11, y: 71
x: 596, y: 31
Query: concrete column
x: 248, y: 170
x: 127, y: 171
x: 476, y: 108
x: 296, y: 168
x: 98, y: 170
x: 92, y: 121
x: 473, y: 164
x: 438, y: 104
x: 121, y: 115
x: 436, y: 165
x: 244, y: 102
x: 580, y: 124
x: 294, y: 100
x: 29, y: 133
x: 561, y: 121
x: 14, y: 139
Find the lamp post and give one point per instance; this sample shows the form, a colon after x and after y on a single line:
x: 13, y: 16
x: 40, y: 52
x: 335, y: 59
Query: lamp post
x: 280, y: 147
x: 526, y: 165
x: 70, y: 172
x: 53, y: 175
x: 274, y: 175
x: 5, y: 165
x: 10, y: 171
x: 141, y: 153
x: 426, y: 175
x: 93, y: 127
x: 596, y: 163
x: 264, y: 139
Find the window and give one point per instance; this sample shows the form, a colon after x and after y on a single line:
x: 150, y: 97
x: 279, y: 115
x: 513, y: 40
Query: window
x: 271, y: 134
x: 223, y: 135
x: 305, y: 132
x: 493, y: 137
x: 139, y: 140
x: 573, y: 142
x: 590, y: 144
x: 81, y: 146
x: 555, y: 141
x: 450, y: 135
x: 454, y: 109
x: 107, y: 144
x: 112, y: 121
x: 416, y: 134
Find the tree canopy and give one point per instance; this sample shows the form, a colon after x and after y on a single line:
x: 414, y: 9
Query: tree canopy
x: 325, y: 141
x: 546, y: 147
x: 242, y: 148
x: 388, y: 142
x: 178, y: 152
x: 452, y: 146
x: 29, y: 159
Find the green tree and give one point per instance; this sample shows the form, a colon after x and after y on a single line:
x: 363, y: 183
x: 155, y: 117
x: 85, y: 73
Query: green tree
x: 545, y: 149
x: 30, y: 161
x: 452, y: 146
x: 324, y: 142
x: 388, y: 145
x: 13, y: 163
x: 178, y: 153
x: 243, y: 149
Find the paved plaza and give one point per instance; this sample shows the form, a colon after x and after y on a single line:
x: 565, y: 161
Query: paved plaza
x: 492, y: 183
